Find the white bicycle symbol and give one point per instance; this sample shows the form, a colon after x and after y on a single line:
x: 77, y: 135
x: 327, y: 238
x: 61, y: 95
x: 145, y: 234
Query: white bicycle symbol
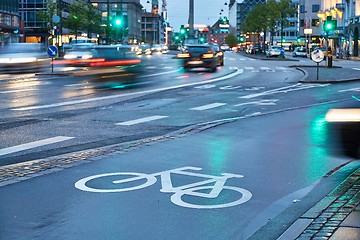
x: 193, y: 189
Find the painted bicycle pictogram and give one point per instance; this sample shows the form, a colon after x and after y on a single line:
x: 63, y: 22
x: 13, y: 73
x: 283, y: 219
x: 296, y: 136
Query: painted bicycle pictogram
x: 195, y: 189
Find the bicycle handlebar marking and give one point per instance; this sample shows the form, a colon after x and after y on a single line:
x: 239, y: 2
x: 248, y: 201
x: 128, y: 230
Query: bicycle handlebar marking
x: 192, y: 189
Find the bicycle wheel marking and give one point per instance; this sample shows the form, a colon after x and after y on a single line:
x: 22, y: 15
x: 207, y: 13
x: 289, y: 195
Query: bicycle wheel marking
x: 192, y: 189
x: 150, y: 180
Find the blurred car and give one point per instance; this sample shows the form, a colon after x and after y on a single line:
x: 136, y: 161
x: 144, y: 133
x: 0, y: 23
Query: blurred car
x: 344, y: 126
x: 144, y: 49
x: 225, y: 47
x: 23, y: 57
x: 250, y: 50
x: 80, y: 55
x: 300, y: 52
x: 275, y: 51
x: 156, y: 48
x: 199, y: 56
x: 219, y: 54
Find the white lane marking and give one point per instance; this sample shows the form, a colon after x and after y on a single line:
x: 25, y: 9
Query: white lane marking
x: 229, y: 87
x: 356, y: 69
x: 242, y: 59
x: 168, y: 67
x: 206, y: 86
x: 296, y: 87
x: 35, y: 144
x: 238, y: 71
x: 265, y: 68
x: 141, y: 120
x: 158, y: 74
x: 350, y: 90
x: 208, y: 106
x: 20, y: 90
x: 181, y: 77
x: 262, y: 102
x: 151, y: 67
x: 282, y: 68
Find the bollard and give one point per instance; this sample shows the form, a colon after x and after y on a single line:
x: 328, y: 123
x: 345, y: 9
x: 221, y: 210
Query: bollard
x: 330, y: 62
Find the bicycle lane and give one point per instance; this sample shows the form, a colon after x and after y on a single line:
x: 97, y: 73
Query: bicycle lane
x: 261, y: 182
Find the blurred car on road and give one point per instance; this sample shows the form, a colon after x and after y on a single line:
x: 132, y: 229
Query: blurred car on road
x: 300, y: 52
x: 144, y: 49
x: 23, y: 57
x: 275, y: 51
x: 199, y: 56
x: 344, y: 126
x: 219, y: 54
x: 225, y: 47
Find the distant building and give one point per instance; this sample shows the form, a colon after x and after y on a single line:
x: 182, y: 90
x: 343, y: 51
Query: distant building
x: 10, y: 25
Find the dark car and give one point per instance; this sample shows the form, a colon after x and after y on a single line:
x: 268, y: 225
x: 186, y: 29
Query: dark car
x: 219, y: 54
x: 199, y: 56
x: 344, y: 126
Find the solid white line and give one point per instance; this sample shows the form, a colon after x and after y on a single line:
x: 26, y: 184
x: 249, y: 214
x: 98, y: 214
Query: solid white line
x: 249, y: 68
x: 20, y: 90
x: 35, y: 144
x: 208, y: 106
x: 238, y: 71
x: 356, y: 69
x: 141, y: 120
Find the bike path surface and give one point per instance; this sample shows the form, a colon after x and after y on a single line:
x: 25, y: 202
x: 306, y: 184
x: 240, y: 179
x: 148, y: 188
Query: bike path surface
x: 49, y: 206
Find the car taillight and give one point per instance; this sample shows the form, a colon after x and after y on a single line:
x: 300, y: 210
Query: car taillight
x: 183, y: 55
x: 208, y: 55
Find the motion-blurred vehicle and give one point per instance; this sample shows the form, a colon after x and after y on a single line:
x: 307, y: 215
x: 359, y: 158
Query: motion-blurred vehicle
x: 105, y: 64
x: 300, y: 52
x: 225, y: 47
x: 144, y: 49
x: 199, y: 56
x: 250, y: 50
x: 156, y: 48
x: 23, y: 57
x: 344, y: 126
x: 219, y: 54
x: 275, y: 51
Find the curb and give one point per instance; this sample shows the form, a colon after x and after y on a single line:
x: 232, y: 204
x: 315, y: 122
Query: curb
x: 324, y: 218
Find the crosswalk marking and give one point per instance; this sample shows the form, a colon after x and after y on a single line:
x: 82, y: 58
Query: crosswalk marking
x: 208, y: 106
x: 35, y: 144
x: 141, y: 120
x: 249, y: 68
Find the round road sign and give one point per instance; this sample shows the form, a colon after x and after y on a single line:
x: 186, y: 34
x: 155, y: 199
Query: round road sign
x: 317, y: 55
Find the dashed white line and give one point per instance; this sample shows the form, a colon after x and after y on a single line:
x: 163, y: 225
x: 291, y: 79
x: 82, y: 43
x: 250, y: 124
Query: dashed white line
x: 238, y: 71
x: 35, y: 144
x: 20, y: 90
x: 208, y: 106
x: 141, y: 120
x: 357, y: 69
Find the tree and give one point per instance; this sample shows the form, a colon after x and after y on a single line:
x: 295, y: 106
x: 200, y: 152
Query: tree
x: 285, y: 10
x: 47, y: 16
x: 77, y: 19
x: 92, y: 21
x: 231, y: 40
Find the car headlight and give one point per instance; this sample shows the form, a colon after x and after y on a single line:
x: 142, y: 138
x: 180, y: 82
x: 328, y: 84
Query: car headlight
x: 87, y: 56
x: 343, y: 115
x: 70, y: 56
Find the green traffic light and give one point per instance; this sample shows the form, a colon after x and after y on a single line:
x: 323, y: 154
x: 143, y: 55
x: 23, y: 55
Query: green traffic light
x: 118, y: 21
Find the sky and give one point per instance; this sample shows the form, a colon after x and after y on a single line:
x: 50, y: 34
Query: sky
x: 206, y: 11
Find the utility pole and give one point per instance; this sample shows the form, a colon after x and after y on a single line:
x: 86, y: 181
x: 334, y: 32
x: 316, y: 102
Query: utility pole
x: 191, y: 19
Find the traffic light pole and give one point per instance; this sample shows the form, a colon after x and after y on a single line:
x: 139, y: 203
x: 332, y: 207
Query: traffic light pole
x: 327, y: 48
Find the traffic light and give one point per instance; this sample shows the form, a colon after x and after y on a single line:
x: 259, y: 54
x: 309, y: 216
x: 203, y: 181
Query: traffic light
x: 182, y: 29
x: 118, y: 21
x: 329, y: 24
x: 241, y: 39
x: 225, y: 20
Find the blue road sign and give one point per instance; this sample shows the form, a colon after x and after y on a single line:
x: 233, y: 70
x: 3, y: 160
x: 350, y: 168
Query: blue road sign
x: 52, y: 51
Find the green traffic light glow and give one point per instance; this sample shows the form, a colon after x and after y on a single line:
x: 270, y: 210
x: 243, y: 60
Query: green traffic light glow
x: 118, y: 21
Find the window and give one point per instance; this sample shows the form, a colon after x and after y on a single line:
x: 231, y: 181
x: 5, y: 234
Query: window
x: 302, y: 8
x: 302, y: 23
x: 315, y: 8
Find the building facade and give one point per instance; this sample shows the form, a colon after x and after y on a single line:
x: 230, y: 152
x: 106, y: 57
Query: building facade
x: 238, y: 10
x: 131, y: 10
x: 11, y: 30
